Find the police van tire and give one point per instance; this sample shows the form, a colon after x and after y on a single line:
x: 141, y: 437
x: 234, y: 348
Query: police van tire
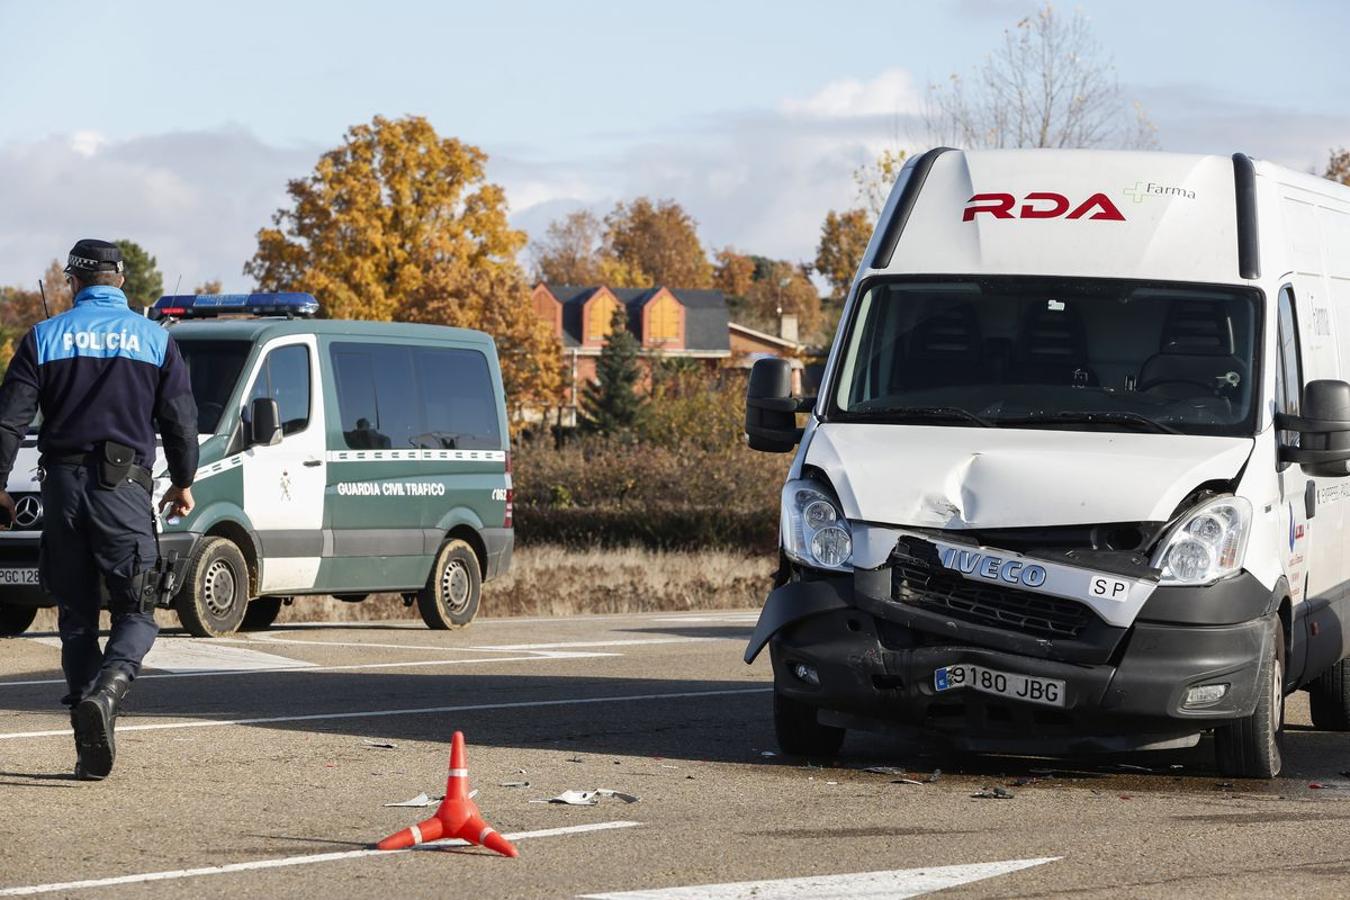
x: 261, y: 613
x: 1250, y: 747
x: 16, y: 619
x: 800, y: 733
x: 214, y: 597
x: 1329, y: 698
x: 450, y: 598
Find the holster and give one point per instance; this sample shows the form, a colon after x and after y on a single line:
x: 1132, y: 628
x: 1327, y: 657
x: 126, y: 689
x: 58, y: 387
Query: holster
x: 114, y: 464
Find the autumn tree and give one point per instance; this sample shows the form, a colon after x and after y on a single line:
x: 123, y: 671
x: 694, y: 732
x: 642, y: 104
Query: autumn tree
x: 210, y: 286
x: 399, y: 223
x: 734, y: 273
x: 144, y: 283
x: 843, y: 241
x: 610, y: 404
x: 1047, y: 85
x: 573, y: 251
x: 1338, y: 166
x: 21, y: 308
x: 660, y: 240
x: 875, y: 180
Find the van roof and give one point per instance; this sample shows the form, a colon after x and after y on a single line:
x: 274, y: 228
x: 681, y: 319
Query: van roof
x: 1087, y: 213
x: 259, y: 329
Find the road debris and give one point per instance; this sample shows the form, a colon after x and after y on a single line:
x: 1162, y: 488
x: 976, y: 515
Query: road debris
x: 514, y: 784
x: 933, y: 779
x: 379, y: 745
x: 995, y: 793
x: 420, y: 800
x: 907, y: 781
x: 588, y: 798
x: 885, y: 770
x: 767, y: 754
x: 1224, y: 786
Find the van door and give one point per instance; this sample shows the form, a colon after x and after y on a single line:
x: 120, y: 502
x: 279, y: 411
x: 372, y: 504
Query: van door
x: 284, y: 484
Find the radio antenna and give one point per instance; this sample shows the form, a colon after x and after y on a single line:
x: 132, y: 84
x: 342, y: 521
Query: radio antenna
x: 46, y: 313
x: 177, y: 284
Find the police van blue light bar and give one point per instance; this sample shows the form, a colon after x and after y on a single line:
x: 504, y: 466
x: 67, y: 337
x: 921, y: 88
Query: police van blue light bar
x: 205, y: 306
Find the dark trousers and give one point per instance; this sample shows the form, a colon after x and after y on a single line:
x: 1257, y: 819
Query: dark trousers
x: 93, y: 537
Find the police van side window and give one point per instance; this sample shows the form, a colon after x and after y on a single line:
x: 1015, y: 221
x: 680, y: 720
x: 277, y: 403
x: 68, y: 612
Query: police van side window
x: 425, y: 398
x: 284, y: 376
x: 1289, y: 369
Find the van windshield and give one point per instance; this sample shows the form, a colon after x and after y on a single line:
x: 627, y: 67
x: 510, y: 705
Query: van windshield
x: 213, y: 367
x: 1064, y: 353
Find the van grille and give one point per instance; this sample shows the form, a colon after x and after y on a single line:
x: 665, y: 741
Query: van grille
x: 920, y: 584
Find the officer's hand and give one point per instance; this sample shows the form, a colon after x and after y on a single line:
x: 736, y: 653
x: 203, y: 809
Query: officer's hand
x: 178, y: 501
x: 7, y: 504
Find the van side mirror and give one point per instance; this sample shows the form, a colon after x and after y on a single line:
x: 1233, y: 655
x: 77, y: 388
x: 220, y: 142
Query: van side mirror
x: 1323, y: 427
x: 264, y: 424
x: 770, y: 409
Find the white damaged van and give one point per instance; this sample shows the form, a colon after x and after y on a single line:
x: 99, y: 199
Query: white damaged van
x: 1075, y: 480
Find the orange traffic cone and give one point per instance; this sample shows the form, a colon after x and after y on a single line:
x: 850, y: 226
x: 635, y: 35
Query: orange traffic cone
x: 456, y: 817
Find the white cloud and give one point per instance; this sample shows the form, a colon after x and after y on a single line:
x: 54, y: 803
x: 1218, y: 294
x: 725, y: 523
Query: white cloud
x: 893, y: 92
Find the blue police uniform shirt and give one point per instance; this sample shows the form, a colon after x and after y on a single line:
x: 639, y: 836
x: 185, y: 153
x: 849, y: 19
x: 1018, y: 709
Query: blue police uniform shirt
x: 100, y: 372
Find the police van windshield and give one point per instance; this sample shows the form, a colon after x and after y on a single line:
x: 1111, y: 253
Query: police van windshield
x: 214, y: 368
x: 1062, y: 353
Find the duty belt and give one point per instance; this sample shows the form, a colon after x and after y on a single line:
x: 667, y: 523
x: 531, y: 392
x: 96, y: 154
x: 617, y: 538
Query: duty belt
x: 139, y: 474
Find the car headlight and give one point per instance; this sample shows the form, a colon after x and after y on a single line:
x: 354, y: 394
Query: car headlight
x: 1208, y: 544
x: 815, y: 532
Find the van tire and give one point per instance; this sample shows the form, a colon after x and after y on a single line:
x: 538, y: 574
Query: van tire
x: 16, y: 619
x: 452, y: 593
x: 1250, y: 747
x: 1329, y: 698
x: 214, y: 596
x: 261, y: 613
x: 799, y: 731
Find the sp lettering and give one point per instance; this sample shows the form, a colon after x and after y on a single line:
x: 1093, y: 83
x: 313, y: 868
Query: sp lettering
x: 1041, y: 205
x: 993, y: 568
x: 1108, y: 588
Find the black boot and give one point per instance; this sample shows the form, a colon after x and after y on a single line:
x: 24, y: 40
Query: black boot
x: 95, y: 718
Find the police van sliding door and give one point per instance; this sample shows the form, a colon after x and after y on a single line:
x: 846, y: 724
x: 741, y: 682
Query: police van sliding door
x: 284, y: 483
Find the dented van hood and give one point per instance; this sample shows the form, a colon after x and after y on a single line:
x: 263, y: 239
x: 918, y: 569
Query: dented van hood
x: 958, y: 478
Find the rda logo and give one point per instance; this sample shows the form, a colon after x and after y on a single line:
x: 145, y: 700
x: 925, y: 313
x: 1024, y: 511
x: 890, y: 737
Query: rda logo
x: 1041, y: 205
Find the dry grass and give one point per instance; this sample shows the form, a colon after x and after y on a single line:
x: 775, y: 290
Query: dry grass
x: 552, y: 581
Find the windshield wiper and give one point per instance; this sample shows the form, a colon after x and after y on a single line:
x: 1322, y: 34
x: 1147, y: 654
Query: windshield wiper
x: 925, y: 413
x: 1106, y: 417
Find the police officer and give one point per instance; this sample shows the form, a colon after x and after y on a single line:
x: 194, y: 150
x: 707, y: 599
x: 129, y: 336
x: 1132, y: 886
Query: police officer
x: 102, y: 378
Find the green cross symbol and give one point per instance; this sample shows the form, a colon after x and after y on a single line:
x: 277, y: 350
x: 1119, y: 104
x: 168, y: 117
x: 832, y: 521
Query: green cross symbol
x: 1136, y: 193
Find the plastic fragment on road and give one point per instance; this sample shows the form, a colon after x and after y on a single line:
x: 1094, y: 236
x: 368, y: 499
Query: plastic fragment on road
x: 907, y: 781
x: 379, y: 745
x: 456, y: 817
x: 420, y: 800
x: 514, y: 784
x: 588, y: 798
x: 885, y: 770
x: 767, y: 754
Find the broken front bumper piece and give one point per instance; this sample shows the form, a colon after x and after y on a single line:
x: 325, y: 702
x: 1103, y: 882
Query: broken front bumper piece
x: 874, y: 660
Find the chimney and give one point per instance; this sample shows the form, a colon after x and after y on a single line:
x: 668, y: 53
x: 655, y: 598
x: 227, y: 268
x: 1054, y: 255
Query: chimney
x: 787, y: 327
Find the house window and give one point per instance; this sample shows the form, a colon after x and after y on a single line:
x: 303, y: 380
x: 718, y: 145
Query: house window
x: 599, y: 312
x: 663, y: 321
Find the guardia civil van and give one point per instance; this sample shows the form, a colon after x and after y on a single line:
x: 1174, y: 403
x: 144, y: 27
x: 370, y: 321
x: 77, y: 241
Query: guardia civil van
x: 1075, y: 479
x: 337, y: 457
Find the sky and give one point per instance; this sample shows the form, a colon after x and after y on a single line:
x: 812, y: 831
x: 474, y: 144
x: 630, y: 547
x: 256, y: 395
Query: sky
x: 178, y: 124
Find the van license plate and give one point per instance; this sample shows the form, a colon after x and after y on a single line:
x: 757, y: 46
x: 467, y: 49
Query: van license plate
x: 18, y: 576
x: 1046, y: 691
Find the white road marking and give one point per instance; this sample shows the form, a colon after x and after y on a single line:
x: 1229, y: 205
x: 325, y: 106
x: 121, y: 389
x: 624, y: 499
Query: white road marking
x: 627, y: 642
x: 890, y: 885
x: 293, y: 670
x: 282, y: 862
x: 183, y: 655
x: 385, y: 713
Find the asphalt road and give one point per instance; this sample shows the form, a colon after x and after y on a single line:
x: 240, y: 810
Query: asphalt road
x: 260, y: 754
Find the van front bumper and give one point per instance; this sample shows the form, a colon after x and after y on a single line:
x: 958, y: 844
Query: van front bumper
x: 877, y: 671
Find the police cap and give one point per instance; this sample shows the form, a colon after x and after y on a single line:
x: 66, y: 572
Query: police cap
x: 91, y: 255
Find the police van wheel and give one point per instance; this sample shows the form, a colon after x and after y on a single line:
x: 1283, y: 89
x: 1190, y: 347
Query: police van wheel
x: 450, y: 599
x: 16, y: 619
x: 261, y: 613
x: 214, y: 597
x: 1250, y: 747
x: 800, y: 733
x: 1329, y: 698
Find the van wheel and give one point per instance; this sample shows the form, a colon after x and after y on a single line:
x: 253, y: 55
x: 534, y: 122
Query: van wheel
x: 1329, y: 698
x: 16, y: 619
x: 799, y: 732
x: 261, y: 613
x: 450, y: 599
x: 214, y: 596
x: 1250, y: 747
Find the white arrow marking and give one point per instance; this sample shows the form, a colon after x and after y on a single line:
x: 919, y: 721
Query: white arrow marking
x: 890, y: 885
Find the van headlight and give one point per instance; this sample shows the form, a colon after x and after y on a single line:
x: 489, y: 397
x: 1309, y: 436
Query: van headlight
x: 815, y: 532
x: 1208, y: 544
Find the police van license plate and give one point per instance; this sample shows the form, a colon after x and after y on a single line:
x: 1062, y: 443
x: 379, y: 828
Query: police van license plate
x: 1046, y: 691
x: 18, y: 576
